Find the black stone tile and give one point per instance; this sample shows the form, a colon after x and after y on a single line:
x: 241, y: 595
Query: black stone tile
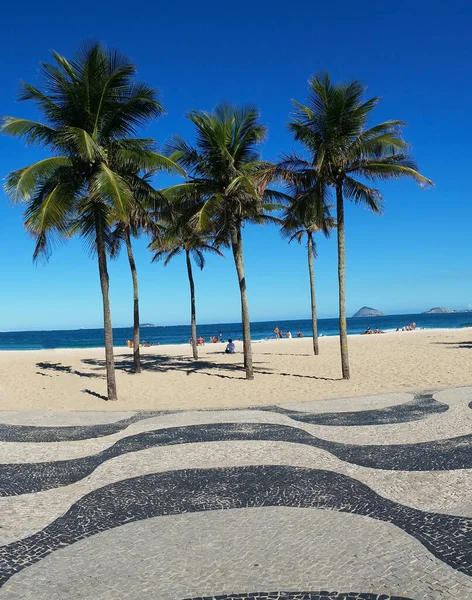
x: 447, y: 537
x: 31, y: 433
x: 301, y: 596
x: 420, y: 407
x: 449, y: 454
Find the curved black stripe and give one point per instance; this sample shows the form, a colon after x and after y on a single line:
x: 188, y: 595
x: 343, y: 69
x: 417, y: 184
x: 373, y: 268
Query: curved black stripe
x: 420, y: 407
x: 447, y: 537
x: 321, y: 595
x: 70, y: 433
x: 25, y: 478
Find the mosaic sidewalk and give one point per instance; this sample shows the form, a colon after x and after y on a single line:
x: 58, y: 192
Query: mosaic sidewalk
x: 369, y: 498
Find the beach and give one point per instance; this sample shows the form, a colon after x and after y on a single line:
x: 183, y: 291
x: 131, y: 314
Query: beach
x: 285, y: 371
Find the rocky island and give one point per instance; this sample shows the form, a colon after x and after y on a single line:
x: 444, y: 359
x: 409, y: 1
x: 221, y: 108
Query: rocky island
x: 146, y: 325
x: 366, y: 311
x: 437, y: 310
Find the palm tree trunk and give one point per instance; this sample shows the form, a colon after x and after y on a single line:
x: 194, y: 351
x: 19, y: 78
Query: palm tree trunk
x: 104, y: 282
x: 342, y: 281
x: 237, y: 247
x: 134, y: 275
x: 314, y: 324
x: 192, y: 306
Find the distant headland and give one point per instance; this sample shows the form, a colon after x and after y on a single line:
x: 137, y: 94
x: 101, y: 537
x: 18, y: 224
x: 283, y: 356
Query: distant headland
x: 146, y: 325
x: 442, y: 310
x: 367, y: 311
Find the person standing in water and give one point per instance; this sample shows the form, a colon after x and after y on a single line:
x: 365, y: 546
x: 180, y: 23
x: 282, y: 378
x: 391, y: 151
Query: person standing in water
x: 277, y: 332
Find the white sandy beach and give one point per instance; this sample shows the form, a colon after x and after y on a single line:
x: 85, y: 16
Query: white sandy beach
x: 285, y: 371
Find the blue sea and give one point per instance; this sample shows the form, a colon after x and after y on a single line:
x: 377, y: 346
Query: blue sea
x: 180, y: 334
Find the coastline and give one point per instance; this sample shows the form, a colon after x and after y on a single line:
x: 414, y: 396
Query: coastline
x: 285, y: 372
x: 118, y: 348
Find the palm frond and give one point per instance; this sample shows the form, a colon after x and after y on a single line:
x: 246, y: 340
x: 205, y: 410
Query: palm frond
x: 363, y: 194
x: 109, y: 187
x: 31, y: 132
x: 22, y: 184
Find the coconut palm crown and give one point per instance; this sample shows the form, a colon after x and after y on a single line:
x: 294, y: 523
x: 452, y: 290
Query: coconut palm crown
x: 227, y: 172
x: 175, y: 235
x: 91, y: 109
x: 347, y: 154
x: 306, y: 214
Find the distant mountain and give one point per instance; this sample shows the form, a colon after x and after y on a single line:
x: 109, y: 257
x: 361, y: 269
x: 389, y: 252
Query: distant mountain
x: 437, y: 310
x: 366, y: 311
x: 146, y: 325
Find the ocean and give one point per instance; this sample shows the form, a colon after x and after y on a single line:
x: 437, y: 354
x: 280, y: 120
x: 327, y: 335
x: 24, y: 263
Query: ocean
x: 180, y: 334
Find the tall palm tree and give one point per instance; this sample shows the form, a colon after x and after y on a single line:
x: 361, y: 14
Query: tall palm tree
x: 92, y: 108
x: 139, y: 219
x: 226, y: 170
x: 333, y: 128
x: 306, y: 215
x: 180, y: 238
x: 135, y: 222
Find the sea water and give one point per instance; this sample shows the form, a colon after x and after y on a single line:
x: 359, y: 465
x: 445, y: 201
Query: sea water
x: 180, y: 334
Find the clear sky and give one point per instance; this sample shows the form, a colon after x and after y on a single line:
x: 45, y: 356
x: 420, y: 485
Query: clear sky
x: 416, y: 55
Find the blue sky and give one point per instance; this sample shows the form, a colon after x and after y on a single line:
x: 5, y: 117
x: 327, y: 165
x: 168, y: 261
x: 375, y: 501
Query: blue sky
x: 416, y: 55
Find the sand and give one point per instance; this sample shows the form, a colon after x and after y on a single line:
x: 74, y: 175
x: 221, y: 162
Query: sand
x: 285, y: 371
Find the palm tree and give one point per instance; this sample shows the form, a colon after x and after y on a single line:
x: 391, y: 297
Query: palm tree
x: 139, y: 219
x: 92, y: 108
x: 227, y: 172
x: 306, y: 215
x: 177, y: 238
x: 136, y: 221
x: 333, y: 128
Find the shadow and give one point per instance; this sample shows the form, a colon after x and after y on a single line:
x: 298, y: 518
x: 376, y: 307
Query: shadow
x: 43, y: 374
x: 95, y: 394
x: 164, y: 363
x: 467, y: 345
x: 58, y: 367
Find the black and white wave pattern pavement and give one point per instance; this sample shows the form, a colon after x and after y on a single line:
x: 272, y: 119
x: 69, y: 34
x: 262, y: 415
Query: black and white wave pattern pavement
x: 226, y: 504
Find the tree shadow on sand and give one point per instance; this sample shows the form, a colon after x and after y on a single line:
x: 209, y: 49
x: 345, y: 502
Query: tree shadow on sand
x: 95, y: 394
x: 60, y: 368
x: 163, y: 364
x: 466, y: 345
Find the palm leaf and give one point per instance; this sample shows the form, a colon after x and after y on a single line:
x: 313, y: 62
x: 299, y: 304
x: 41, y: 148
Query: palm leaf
x: 108, y: 186
x: 22, y: 184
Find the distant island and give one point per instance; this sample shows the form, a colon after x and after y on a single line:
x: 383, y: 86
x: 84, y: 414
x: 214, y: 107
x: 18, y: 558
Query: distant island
x: 441, y: 310
x: 146, y: 325
x: 366, y: 311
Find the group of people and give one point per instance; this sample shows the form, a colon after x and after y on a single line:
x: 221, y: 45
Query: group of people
x: 130, y: 344
x: 214, y: 339
x: 368, y: 331
x: 279, y: 334
x: 230, y: 347
x: 410, y: 327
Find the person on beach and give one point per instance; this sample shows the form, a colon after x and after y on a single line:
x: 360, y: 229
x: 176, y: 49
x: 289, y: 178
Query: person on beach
x: 288, y: 335
x: 276, y: 331
x: 201, y: 341
x: 299, y: 334
x: 230, y: 348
